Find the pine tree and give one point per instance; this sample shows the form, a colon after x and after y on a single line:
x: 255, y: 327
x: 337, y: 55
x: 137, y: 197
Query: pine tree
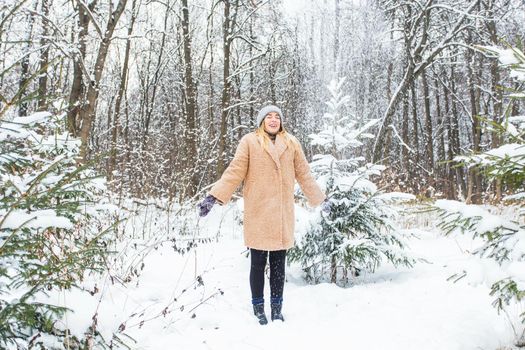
x: 49, y: 239
x: 504, y: 239
x: 358, y: 232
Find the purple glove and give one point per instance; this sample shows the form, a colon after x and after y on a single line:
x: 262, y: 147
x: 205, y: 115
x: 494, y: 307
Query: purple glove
x: 206, y: 205
x: 326, y: 206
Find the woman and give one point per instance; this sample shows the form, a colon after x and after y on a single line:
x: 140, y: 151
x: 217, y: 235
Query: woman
x: 268, y: 160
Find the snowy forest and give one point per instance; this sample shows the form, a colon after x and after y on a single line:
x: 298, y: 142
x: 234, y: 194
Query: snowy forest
x: 118, y: 116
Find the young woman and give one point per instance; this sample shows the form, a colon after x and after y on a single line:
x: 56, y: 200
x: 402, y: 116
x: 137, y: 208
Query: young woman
x: 268, y: 160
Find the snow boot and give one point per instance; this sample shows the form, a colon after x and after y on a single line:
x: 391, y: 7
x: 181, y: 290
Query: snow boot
x: 258, y: 311
x: 276, y: 312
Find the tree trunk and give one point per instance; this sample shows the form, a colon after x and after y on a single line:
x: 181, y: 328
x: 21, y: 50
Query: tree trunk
x: 454, y: 126
x: 87, y: 113
x: 149, y: 105
x: 76, y: 96
x: 429, y: 147
x: 252, y: 79
x: 474, y: 181
x: 496, y: 91
x: 404, y: 136
x: 333, y: 270
x: 336, y: 36
x: 116, y: 129
x: 389, y: 114
x: 415, y: 130
x: 24, y: 70
x: 228, y: 24
x: 449, y: 156
x: 22, y: 86
x: 44, y: 58
x: 212, y: 127
x: 440, y: 170
x: 190, y: 91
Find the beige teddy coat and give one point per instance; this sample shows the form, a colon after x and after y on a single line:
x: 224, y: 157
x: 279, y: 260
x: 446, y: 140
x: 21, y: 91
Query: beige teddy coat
x: 268, y: 191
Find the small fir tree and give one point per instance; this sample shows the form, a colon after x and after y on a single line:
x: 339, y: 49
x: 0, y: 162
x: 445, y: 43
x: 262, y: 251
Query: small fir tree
x: 49, y: 239
x: 358, y: 232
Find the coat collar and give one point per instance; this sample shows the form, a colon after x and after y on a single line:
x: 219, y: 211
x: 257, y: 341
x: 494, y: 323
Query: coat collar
x: 275, y: 150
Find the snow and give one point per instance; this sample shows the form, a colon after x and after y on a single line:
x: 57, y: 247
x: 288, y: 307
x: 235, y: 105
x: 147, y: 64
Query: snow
x: 508, y: 150
x: 36, y: 219
x: 356, y: 182
x: 507, y: 56
x: 323, y: 160
x: 516, y: 196
x: 488, y: 222
x: 396, y: 196
x: 517, y: 272
x: 391, y: 309
x: 512, y: 153
x: 38, y: 117
x: 17, y: 128
x: 512, y: 57
x: 517, y: 119
x: 517, y: 246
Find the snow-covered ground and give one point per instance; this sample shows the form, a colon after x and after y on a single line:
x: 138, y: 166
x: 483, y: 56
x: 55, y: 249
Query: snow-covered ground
x: 167, y: 307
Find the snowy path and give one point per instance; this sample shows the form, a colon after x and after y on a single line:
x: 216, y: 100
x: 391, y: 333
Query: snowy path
x: 391, y: 309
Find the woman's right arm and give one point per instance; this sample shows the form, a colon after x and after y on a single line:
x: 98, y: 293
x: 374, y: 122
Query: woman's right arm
x: 233, y: 175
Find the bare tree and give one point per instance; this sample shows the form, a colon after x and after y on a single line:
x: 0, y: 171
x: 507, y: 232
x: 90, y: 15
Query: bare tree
x: 229, y: 22
x: 76, y: 100
x: 421, y: 54
x: 87, y: 113
x: 44, y: 57
x: 190, y: 101
x: 116, y: 128
x: 25, y: 74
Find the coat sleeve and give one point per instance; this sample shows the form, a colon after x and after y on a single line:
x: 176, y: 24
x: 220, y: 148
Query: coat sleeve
x: 233, y: 175
x: 304, y: 177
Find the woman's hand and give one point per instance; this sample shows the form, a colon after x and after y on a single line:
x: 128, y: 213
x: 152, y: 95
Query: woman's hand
x: 206, y: 205
x: 326, y: 206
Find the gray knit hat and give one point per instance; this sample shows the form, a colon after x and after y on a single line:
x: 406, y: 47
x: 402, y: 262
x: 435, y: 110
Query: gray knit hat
x: 267, y: 109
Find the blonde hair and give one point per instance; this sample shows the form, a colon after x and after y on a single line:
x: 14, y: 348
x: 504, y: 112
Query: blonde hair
x: 264, y: 139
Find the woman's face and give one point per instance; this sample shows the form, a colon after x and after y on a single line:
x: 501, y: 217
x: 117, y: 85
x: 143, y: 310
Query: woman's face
x: 272, y: 123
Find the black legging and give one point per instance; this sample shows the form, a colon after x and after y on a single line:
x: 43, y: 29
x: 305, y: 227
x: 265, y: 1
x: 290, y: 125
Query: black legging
x: 258, y: 264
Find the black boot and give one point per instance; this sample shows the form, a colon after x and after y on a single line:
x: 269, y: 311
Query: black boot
x: 276, y: 312
x: 258, y: 311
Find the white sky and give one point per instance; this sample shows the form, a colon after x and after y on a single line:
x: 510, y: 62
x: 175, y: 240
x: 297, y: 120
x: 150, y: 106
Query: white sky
x: 294, y: 7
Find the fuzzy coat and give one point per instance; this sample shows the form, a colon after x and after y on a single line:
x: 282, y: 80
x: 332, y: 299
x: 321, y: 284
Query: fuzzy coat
x: 268, y: 191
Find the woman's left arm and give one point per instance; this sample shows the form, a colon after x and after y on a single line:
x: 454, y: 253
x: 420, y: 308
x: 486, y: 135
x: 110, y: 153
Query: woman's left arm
x: 304, y: 177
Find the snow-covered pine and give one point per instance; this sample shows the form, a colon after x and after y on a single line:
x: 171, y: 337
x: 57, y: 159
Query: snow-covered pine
x: 359, y: 231
x: 506, y: 162
x: 504, y: 240
x: 50, y: 238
